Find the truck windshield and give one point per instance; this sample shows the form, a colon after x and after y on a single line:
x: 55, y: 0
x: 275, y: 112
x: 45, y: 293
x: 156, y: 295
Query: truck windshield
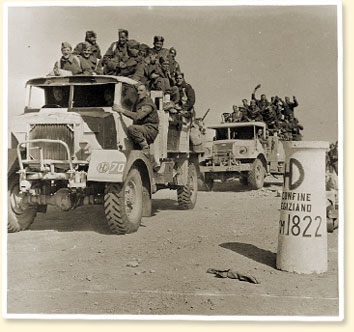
x: 221, y: 134
x: 101, y: 95
x: 242, y: 133
x: 48, y: 96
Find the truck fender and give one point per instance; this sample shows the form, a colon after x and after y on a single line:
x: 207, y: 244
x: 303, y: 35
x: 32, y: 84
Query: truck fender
x: 137, y: 159
x: 106, y: 166
x: 263, y: 159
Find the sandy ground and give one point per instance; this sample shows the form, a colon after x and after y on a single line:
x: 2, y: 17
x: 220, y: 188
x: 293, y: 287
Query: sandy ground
x: 69, y: 263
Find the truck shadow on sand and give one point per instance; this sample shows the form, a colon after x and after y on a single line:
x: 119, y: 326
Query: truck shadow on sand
x: 83, y: 219
x: 262, y: 256
x: 164, y: 204
x: 236, y: 186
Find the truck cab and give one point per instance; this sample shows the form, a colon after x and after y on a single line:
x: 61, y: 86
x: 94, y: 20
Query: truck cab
x: 243, y: 150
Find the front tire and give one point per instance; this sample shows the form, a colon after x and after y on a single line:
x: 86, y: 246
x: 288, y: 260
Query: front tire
x: 123, y: 204
x: 256, y: 175
x: 187, y: 195
x: 20, y: 215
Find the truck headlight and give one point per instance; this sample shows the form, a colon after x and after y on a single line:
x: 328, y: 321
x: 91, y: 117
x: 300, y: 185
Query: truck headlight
x: 85, y: 150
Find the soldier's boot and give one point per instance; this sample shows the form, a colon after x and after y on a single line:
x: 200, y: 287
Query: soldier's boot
x: 145, y: 148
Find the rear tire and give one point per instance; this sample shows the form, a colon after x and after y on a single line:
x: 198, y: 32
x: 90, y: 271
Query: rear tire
x: 123, y: 204
x: 20, y: 215
x: 187, y: 195
x: 256, y: 175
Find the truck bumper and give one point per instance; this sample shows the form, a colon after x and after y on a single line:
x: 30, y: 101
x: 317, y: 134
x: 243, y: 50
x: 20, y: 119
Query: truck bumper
x: 232, y: 168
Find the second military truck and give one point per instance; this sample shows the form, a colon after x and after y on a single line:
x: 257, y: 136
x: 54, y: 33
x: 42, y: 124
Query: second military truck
x: 242, y: 150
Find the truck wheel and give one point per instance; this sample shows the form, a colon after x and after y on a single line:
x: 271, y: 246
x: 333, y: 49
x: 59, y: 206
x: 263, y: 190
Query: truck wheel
x: 187, y: 195
x: 123, y: 203
x: 256, y: 175
x: 20, y: 214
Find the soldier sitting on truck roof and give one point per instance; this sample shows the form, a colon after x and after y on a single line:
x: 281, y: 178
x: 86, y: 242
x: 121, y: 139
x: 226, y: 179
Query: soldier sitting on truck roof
x: 262, y: 103
x: 158, y: 48
x: 245, y: 108
x: 117, y: 54
x: 130, y: 65
x: 90, y: 38
x: 254, y: 113
x: 68, y: 63
x: 145, y: 125
x: 237, y: 114
x: 87, y: 62
x: 289, y: 106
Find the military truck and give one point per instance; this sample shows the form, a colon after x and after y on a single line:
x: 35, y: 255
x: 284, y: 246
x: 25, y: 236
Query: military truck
x: 242, y: 151
x: 69, y: 149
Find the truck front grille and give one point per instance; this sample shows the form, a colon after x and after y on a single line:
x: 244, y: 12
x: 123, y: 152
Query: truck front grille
x: 53, y: 151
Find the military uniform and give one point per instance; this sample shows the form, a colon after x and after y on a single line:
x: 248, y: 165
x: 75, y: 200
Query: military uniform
x: 145, y: 123
x: 254, y: 113
x: 72, y: 63
x: 95, y: 49
x: 236, y: 115
x: 115, y: 56
x: 187, y: 97
x: 289, y: 108
x: 88, y: 65
x: 175, y: 68
x: 161, y: 53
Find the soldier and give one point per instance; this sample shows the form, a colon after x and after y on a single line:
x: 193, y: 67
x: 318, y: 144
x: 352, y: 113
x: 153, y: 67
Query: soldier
x: 130, y: 65
x: 254, y: 113
x: 67, y: 62
x: 87, y: 62
x: 91, y: 39
x: 296, y: 128
x: 145, y: 125
x: 158, y: 47
x: 262, y: 103
x: 237, y: 114
x: 289, y: 106
x: 261, y: 137
x: 245, y: 109
x: 333, y: 157
x: 187, y: 97
x: 174, y: 65
x: 117, y: 54
x: 143, y: 50
x: 270, y: 116
x: 154, y: 70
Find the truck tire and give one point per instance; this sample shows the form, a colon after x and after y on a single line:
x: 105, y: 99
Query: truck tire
x: 187, y: 195
x: 123, y: 204
x: 20, y: 216
x: 256, y: 175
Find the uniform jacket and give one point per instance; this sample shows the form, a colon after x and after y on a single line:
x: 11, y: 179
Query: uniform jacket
x: 163, y: 53
x: 147, y: 113
x: 88, y: 66
x: 96, y: 51
x: 71, y: 64
x: 116, y: 51
x: 187, y: 96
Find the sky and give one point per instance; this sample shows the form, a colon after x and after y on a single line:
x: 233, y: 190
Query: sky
x: 224, y: 51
